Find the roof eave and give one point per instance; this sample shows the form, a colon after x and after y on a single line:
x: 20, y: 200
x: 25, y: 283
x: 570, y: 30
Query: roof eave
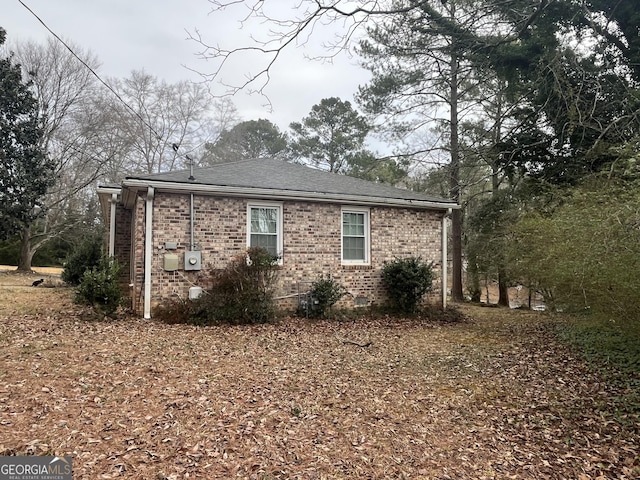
x: 105, y: 196
x: 132, y: 185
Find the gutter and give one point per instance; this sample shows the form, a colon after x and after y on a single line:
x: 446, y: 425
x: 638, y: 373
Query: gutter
x: 132, y: 186
x: 148, y: 250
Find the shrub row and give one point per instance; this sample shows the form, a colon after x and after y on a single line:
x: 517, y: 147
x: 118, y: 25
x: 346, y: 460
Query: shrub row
x: 241, y: 293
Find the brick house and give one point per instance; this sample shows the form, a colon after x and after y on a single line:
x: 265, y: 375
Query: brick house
x: 168, y: 229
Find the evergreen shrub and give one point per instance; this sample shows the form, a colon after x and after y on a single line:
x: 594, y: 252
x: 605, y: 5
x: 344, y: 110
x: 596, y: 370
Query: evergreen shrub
x: 100, y: 287
x: 325, y: 292
x: 406, y: 281
x: 86, y: 256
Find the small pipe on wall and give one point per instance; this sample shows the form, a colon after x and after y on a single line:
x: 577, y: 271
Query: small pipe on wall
x: 192, y: 246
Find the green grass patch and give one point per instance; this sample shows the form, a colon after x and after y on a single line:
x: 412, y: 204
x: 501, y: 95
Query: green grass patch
x: 613, y: 349
x: 605, y: 342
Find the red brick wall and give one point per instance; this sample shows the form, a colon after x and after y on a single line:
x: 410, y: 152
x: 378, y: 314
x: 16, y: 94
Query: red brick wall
x: 122, y: 247
x: 137, y: 264
x: 312, y: 240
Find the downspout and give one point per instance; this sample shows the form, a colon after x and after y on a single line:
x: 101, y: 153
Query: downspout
x: 444, y: 258
x: 112, y: 226
x: 148, y: 250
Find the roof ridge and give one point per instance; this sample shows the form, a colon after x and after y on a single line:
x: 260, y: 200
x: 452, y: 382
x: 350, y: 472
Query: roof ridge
x: 216, y: 165
x: 280, y: 175
x: 248, y: 160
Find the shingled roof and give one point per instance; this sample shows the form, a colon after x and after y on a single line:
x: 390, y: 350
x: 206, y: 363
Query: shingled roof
x: 273, y: 178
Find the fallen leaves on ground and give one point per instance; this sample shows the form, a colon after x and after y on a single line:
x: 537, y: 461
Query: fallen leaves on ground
x: 494, y: 397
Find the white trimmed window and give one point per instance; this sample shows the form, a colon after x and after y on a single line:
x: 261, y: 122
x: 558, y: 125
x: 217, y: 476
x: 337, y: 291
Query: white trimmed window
x: 264, y: 227
x: 355, y: 236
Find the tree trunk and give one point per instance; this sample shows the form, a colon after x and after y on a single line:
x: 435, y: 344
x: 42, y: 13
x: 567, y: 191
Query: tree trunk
x: 26, y: 252
x: 503, y: 290
x: 454, y: 178
x: 456, y: 250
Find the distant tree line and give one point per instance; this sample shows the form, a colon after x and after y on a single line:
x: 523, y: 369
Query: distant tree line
x: 333, y: 137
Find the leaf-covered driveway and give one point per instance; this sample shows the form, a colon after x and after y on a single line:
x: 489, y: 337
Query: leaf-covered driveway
x: 492, y: 397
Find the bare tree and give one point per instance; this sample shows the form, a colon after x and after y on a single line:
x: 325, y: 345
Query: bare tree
x: 63, y: 85
x: 161, y: 124
x: 277, y: 27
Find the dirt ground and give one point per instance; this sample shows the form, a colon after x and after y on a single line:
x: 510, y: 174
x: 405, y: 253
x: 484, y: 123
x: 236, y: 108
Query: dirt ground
x: 492, y: 397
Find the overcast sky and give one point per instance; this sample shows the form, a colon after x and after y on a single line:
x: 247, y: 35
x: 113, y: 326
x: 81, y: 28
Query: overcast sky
x: 152, y: 35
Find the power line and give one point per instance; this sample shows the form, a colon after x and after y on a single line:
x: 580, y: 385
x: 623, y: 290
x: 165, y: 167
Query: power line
x: 95, y: 74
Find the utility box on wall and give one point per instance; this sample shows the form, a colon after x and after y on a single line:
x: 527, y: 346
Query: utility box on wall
x: 193, y: 260
x: 171, y: 263
x: 195, y: 292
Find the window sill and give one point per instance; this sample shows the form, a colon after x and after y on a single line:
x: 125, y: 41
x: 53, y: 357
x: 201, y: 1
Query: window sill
x: 347, y: 266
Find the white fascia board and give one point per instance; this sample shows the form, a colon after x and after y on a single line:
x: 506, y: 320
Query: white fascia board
x: 105, y: 196
x: 109, y: 190
x: 265, y: 193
